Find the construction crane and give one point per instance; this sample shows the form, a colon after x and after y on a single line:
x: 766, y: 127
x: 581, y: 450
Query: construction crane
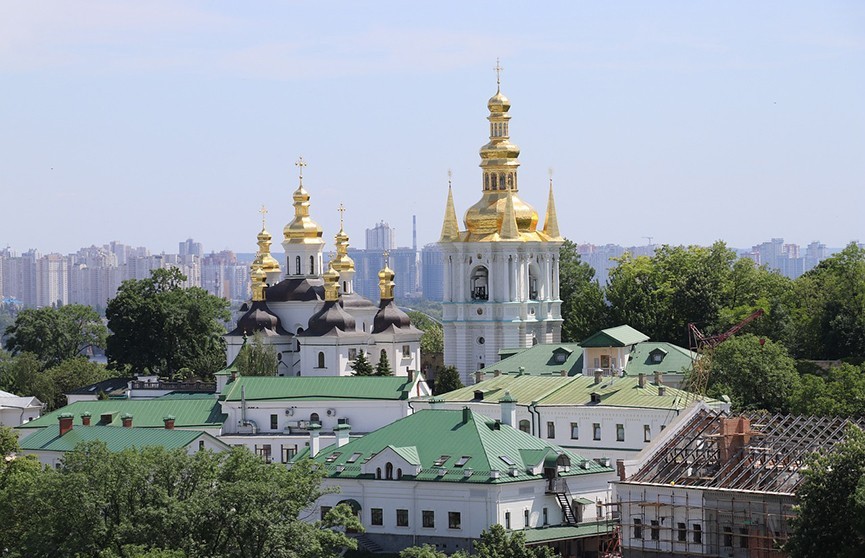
x: 701, y: 346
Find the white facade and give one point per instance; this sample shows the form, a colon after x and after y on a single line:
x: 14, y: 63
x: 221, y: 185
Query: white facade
x: 15, y: 410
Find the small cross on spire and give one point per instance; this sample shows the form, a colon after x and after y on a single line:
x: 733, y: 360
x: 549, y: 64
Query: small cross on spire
x: 300, y: 163
x: 341, y: 210
x: 386, y: 256
x: 550, y: 171
x: 498, y: 70
x: 263, y: 212
x: 450, y: 176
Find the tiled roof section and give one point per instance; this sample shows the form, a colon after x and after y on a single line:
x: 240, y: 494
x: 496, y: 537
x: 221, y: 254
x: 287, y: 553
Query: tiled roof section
x: 573, y: 390
x: 620, y: 336
x: 115, y: 438
x: 107, y: 386
x: 675, y: 359
x: 319, y: 388
x: 541, y: 359
x: 188, y: 413
x: 491, y: 447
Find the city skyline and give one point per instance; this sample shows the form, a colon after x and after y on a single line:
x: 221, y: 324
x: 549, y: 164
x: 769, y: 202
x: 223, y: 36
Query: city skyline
x: 160, y: 121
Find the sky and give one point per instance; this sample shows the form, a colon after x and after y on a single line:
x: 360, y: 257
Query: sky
x: 687, y: 122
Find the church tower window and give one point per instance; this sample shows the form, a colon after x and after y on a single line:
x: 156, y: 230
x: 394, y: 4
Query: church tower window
x: 297, y: 265
x: 321, y: 360
x: 480, y: 283
x: 312, y: 265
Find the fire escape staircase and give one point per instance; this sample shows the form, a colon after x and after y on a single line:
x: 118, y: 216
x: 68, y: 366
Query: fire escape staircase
x: 563, y: 496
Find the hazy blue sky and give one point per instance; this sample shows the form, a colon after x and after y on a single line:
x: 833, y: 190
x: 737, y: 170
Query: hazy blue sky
x: 150, y: 122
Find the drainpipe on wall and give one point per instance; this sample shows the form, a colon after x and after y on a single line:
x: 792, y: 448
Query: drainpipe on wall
x: 533, y: 409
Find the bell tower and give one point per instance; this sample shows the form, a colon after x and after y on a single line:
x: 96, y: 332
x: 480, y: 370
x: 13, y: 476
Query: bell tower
x: 501, y: 272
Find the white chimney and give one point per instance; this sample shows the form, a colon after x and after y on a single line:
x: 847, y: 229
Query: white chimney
x: 314, y: 442
x: 509, y: 410
x: 341, y: 431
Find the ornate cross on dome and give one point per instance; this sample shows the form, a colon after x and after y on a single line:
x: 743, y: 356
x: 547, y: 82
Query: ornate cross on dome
x: 498, y: 70
x: 386, y: 256
x: 300, y: 163
x: 450, y: 176
x: 550, y: 172
x: 341, y: 210
x: 263, y: 212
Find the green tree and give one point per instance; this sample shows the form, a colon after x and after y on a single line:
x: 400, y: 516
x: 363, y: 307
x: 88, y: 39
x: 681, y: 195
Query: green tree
x: 447, y: 379
x: 56, y: 334
x: 753, y: 375
x: 51, y: 385
x: 8, y: 441
x: 584, y: 309
x: 157, y: 326
x: 383, y: 366
x: 432, y: 341
x: 838, y: 393
x: 361, y: 365
x: 258, y: 358
x: 831, y: 518
x: 496, y: 542
x: 18, y: 374
x: 425, y: 551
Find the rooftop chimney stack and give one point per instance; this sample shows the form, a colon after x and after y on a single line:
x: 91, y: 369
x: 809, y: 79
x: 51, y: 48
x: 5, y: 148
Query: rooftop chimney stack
x: 169, y: 422
x: 85, y: 418
x: 127, y: 420
x: 509, y: 410
x: 65, y: 420
x: 659, y: 377
x: 314, y: 442
x: 479, y: 376
x: 342, y: 432
x: 642, y: 380
x: 599, y: 374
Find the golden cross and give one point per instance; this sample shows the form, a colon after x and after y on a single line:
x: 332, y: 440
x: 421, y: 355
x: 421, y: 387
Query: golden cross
x: 450, y: 175
x: 300, y: 163
x: 498, y: 70
x: 341, y: 210
x: 386, y: 256
x: 550, y: 171
x: 263, y: 212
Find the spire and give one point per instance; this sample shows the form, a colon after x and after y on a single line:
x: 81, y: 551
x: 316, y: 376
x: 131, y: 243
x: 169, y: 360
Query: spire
x: 551, y: 222
x: 509, y: 229
x: 385, y: 280
x: 343, y: 261
x: 450, y: 226
x: 302, y: 229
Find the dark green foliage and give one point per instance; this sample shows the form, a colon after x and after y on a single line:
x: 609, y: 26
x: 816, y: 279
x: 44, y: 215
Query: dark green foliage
x: 8, y: 441
x: 383, y: 366
x: 167, y: 504
x: 432, y: 341
x: 423, y: 551
x: 840, y: 392
x: 447, y: 379
x: 584, y: 309
x: 19, y: 373
x: 496, y: 542
x: 361, y: 365
x: 50, y: 385
x: 157, y: 326
x: 56, y: 334
x: 257, y: 358
x: 831, y: 518
x: 754, y: 376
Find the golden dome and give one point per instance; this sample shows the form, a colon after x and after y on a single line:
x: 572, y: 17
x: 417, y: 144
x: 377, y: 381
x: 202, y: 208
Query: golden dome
x: 331, y: 283
x: 499, y: 103
x: 485, y: 217
x: 258, y: 277
x: 302, y: 229
x: 343, y: 261
x: 267, y: 262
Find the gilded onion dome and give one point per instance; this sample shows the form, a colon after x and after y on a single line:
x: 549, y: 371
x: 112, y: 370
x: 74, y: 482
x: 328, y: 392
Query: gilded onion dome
x: 331, y: 284
x: 385, y: 282
x: 259, y: 279
x: 302, y: 229
x: 343, y: 261
x: 268, y: 263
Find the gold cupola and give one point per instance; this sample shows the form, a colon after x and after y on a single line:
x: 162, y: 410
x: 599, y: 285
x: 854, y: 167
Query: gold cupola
x: 343, y: 261
x: 258, y: 278
x: 385, y: 281
x: 267, y: 262
x: 499, y: 163
x: 331, y: 283
x: 302, y: 229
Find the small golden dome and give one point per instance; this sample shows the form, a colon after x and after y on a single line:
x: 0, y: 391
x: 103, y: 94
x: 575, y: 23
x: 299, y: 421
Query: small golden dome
x: 331, y: 283
x: 386, y: 274
x: 302, y: 229
x: 499, y: 103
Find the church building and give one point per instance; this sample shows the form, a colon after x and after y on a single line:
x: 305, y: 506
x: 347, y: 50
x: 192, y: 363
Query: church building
x: 501, y: 273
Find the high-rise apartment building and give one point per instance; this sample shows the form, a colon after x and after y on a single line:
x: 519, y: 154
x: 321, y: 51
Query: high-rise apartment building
x: 381, y: 237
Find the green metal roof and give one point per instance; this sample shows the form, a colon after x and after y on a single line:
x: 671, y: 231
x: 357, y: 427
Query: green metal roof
x: 147, y: 413
x: 431, y: 434
x: 620, y: 336
x: 675, y: 359
x: 115, y: 438
x: 572, y: 390
x: 567, y: 532
x: 318, y: 388
x: 542, y: 359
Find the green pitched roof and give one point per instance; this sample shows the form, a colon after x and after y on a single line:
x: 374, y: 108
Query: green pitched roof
x: 147, y: 413
x: 318, y: 388
x: 620, y: 336
x: 115, y: 438
x: 431, y: 434
x: 572, y: 390
x: 541, y: 359
x: 675, y: 359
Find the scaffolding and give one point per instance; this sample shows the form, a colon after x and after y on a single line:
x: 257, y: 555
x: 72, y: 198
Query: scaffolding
x: 722, y: 486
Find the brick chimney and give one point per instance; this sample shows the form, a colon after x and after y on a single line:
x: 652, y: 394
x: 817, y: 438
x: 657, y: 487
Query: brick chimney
x: 735, y: 435
x: 659, y: 377
x: 169, y: 422
x: 599, y: 374
x: 479, y: 376
x: 642, y: 380
x: 410, y: 374
x: 127, y: 420
x: 85, y: 418
x: 65, y: 420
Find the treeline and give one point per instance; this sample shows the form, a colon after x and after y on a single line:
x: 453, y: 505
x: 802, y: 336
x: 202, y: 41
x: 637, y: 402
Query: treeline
x: 154, y: 503
x: 819, y: 316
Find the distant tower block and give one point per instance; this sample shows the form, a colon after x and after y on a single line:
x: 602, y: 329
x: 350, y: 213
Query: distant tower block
x: 501, y: 274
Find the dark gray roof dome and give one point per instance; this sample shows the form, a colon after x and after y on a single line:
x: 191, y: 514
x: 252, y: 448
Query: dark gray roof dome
x: 354, y: 300
x: 331, y: 315
x: 388, y: 315
x: 258, y: 318
x: 296, y: 289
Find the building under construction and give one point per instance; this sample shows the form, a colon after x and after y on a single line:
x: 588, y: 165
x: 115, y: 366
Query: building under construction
x: 719, y: 485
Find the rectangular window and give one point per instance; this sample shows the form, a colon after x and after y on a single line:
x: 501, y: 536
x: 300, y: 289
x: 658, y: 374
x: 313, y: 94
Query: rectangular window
x: 402, y: 518
x: 682, y: 532
x: 406, y: 351
x: 526, y: 518
x: 596, y: 431
x: 546, y: 515
x: 647, y: 433
x: 288, y: 453
x: 428, y: 519
x: 575, y: 431
x: 454, y: 520
x: 263, y: 451
x: 274, y: 422
x: 200, y: 444
x: 638, y: 528
x: 656, y: 530
x: 620, y: 432
x: 376, y: 516
x: 743, y: 537
x: 698, y: 534
x: 551, y: 429
x: 352, y: 354
x: 728, y: 536
x: 507, y: 520
x: 324, y: 510
x: 605, y: 361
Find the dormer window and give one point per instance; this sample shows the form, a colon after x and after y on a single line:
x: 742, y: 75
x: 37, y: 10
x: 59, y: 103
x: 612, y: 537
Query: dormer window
x: 657, y: 355
x: 596, y: 397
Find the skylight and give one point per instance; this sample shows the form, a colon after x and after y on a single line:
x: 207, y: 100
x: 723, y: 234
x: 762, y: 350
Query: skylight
x: 508, y: 461
x: 333, y: 457
x: 354, y: 457
x: 462, y: 461
x: 441, y: 460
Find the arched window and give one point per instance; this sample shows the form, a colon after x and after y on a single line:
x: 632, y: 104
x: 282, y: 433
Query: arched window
x: 378, y: 473
x: 321, y: 360
x: 297, y: 341
x: 382, y: 354
x: 313, y: 417
x: 312, y: 265
x: 398, y: 474
x: 524, y: 426
x: 297, y: 265
x: 533, y: 283
x: 345, y: 286
x: 479, y: 283
x: 388, y: 471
